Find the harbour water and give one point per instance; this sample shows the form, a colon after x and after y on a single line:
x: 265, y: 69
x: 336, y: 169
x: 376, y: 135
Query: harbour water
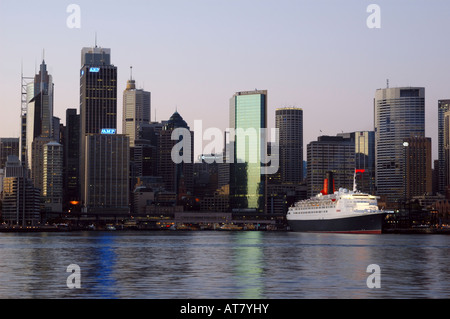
x: 213, y: 264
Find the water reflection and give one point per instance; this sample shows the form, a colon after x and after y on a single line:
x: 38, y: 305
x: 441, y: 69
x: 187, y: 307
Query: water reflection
x: 101, y: 280
x: 248, y: 264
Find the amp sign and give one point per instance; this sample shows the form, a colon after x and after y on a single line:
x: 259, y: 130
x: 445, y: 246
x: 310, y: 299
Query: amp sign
x: 108, y: 131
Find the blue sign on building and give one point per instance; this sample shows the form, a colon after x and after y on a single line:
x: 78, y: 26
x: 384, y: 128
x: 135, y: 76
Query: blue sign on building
x: 108, y: 131
x: 94, y: 70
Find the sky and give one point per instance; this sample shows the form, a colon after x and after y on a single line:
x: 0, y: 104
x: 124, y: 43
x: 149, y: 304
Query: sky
x: 193, y: 55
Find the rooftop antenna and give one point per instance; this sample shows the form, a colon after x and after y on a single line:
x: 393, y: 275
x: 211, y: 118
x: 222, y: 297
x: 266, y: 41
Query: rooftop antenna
x: 43, y: 55
x: 95, y: 38
x: 387, y: 83
x: 131, y: 73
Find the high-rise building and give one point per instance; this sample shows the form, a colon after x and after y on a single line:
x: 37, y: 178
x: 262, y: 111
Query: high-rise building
x: 399, y: 114
x: 20, y: 199
x: 177, y: 177
x: 8, y: 146
x: 52, y: 181
x: 104, y: 155
x: 443, y: 106
x: 105, y: 190
x: 418, y: 174
x: 71, y: 143
x: 289, y: 121
x: 248, y: 186
x: 98, y: 95
x: 136, y: 110
x: 39, y: 116
x: 37, y: 161
x: 446, y: 146
x: 334, y: 154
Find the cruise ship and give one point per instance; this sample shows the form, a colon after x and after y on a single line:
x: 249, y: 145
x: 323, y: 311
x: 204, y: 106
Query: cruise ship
x: 341, y: 211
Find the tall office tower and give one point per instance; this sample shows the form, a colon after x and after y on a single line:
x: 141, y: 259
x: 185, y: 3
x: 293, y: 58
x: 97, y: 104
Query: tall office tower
x: 98, y: 96
x: 37, y: 161
x: 98, y: 113
x: 418, y: 174
x: 330, y: 153
x: 399, y: 114
x: 98, y: 91
x: 71, y: 143
x: 52, y: 181
x: 105, y: 190
x: 20, y: 198
x: 446, y: 146
x: 289, y: 121
x: 177, y: 177
x: 136, y: 110
x: 39, y: 116
x: 248, y: 186
x: 443, y: 106
x: 8, y: 146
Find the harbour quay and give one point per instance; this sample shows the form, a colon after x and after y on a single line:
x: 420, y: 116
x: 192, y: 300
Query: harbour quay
x: 164, y: 220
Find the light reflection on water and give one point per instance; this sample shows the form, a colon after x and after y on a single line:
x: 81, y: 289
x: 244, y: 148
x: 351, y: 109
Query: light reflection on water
x: 250, y: 265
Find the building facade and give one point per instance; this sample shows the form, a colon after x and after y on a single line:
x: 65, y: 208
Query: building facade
x: 443, y: 107
x: 289, y: 122
x: 20, y: 199
x: 330, y: 153
x: 248, y: 186
x: 8, y: 146
x: 418, y: 178
x: 106, y: 190
x: 136, y: 110
x: 177, y: 177
x: 399, y: 115
x: 52, y: 181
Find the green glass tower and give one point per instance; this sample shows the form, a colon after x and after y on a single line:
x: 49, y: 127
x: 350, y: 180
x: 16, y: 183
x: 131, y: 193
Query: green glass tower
x: 248, y: 115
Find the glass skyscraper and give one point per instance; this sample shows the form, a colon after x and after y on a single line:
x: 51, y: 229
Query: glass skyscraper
x: 399, y: 115
x: 248, y: 115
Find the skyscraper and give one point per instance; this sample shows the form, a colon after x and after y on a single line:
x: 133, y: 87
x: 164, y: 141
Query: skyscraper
x: 39, y: 116
x: 52, y: 181
x: 330, y: 153
x: 72, y: 159
x: 98, y: 91
x: 399, y: 114
x: 177, y: 177
x: 248, y: 115
x: 136, y: 110
x: 443, y: 106
x: 104, y: 155
x: 418, y: 179
x: 289, y: 121
x: 105, y: 190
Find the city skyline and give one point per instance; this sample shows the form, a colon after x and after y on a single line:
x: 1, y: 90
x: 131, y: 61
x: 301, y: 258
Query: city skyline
x: 197, y: 52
